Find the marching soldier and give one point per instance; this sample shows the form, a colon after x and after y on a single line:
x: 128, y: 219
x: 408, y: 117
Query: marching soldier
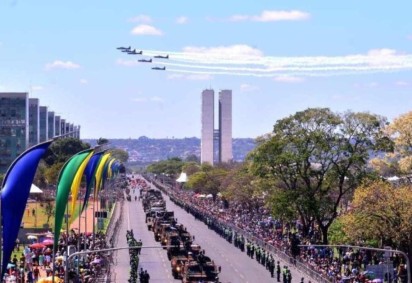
x: 278, y: 271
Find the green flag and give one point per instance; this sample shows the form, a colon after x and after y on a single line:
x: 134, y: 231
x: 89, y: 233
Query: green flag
x: 65, y: 181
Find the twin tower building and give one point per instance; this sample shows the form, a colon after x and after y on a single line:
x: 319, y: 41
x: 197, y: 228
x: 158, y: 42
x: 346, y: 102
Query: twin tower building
x: 216, y: 144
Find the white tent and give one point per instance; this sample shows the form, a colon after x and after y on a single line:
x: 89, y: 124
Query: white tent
x: 35, y: 190
x: 182, y: 178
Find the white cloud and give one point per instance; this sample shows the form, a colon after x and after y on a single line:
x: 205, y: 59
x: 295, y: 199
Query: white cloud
x: 182, y: 20
x: 58, y: 64
x: 402, y: 83
x: 272, y: 16
x: 192, y: 77
x: 141, y: 19
x: 146, y: 30
x: 84, y: 81
x: 37, y: 88
x: 248, y: 88
x: 289, y: 79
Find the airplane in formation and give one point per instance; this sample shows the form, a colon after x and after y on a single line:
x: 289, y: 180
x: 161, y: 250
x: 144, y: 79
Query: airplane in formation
x: 159, y: 68
x: 162, y: 57
x: 134, y: 52
x: 145, y: 60
x: 124, y: 48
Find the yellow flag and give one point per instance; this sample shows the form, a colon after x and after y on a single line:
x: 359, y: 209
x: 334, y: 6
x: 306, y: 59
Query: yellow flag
x: 99, y: 173
x: 76, y: 182
x: 109, y: 170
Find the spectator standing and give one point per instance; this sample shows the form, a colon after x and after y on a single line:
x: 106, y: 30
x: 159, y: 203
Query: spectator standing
x: 30, y: 276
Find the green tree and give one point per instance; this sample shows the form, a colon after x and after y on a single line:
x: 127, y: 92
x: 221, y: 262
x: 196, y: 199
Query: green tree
x: 192, y: 158
x: 190, y: 168
x: 101, y: 141
x: 315, y: 159
x: 62, y: 149
x: 240, y: 185
x: 171, y: 167
x: 48, y: 210
x: 207, y: 182
x: 119, y: 154
x: 51, y: 173
x: 400, y: 160
x: 40, y: 178
x: 382, y: 213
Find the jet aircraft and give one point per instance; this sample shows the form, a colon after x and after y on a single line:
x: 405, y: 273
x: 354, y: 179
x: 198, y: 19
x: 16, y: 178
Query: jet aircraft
x: 124, y: 49
x: 159, y: 68
x: 134, y: 52
x: 162, y: 57
x: 145, y: 60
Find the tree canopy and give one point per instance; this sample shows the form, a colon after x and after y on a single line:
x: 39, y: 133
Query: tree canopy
x: 207, y: 181
x: 315, y: 158
x: 119, y: 154
x: 400, y: 161
x: 171, y: 167
x: 381, y: 212
x: 62, y: 149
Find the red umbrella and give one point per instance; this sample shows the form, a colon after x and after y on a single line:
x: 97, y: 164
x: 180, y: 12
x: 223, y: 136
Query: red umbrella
x: 37, y: 246
x: 48, y: 242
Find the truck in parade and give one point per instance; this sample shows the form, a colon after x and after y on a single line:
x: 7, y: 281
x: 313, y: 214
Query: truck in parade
x: 188, y: 261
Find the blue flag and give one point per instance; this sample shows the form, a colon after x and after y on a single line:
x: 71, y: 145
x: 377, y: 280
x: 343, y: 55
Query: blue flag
x: 16, y: 190
x: 90, y: 172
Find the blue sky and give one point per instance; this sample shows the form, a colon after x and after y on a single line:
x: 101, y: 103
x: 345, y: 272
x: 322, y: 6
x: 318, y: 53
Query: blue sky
x: 278, y: 57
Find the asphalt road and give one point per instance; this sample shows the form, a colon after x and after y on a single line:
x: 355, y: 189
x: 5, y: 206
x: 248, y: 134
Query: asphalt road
x: 237, y: 267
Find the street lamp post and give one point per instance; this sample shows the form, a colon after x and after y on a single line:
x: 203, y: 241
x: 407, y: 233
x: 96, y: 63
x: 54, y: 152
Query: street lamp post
x: 408, y: 266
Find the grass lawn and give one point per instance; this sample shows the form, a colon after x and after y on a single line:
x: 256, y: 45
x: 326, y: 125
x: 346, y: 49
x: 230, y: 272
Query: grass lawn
x: 37, y: 221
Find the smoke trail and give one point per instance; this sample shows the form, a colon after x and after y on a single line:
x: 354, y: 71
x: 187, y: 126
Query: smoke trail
x: 383, y: 60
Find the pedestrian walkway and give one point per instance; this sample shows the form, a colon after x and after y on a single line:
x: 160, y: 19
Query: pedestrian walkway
x: 85, y: 221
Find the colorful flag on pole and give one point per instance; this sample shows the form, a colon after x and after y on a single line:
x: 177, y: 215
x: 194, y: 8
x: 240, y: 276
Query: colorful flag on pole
x: 99, y: 173
x: 16, y: 190
x: 90, y: 172
x: 66, y: 177
x: 76, y: 183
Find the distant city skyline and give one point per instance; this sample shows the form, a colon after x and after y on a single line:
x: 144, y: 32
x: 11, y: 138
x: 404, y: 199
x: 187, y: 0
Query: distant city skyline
x: 277, y: 58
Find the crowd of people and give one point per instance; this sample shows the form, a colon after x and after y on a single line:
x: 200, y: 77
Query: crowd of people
x: 265, y: 234
x: 36, y: 261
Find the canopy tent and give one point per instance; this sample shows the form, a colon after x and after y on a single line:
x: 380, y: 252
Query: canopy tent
x: 35, y: 190
x: 182, y: 178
